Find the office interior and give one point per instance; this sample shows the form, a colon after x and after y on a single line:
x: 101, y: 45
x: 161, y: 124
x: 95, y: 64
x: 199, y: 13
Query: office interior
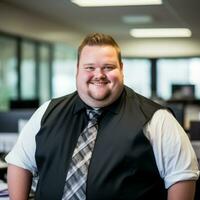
x: 38, y: 46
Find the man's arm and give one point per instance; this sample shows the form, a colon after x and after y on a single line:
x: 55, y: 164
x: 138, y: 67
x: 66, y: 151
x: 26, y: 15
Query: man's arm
x: 19, y: 182
x: 184, y: 190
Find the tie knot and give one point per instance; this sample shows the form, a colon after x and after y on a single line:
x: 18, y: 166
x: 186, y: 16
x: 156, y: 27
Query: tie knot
x: 93, y: 114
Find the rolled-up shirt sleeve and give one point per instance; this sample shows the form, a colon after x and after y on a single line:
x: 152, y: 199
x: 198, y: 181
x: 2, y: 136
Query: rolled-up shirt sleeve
x: 174, y: 154
x: 23, y: 152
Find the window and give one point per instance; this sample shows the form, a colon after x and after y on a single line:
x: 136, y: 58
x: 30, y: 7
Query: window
x: 177, y: 71
x: 8, y: 72
x: 28, y: 71
x: 137, y: 75
x: 64, y: 71
x: 44, y: 73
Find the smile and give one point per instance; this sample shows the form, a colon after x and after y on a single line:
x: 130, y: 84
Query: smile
x: 99, y: 83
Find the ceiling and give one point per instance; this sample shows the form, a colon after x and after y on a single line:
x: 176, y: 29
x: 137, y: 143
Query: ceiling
x: 63, y: 21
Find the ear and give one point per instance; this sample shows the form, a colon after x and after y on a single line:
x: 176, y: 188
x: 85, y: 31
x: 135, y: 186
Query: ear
x: 122, y: 69
x: 121, y: 66
x: 77, y: 67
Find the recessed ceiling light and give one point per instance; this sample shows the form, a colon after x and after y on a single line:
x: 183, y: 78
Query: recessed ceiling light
x: 137, y: 19
x: 160, y: 32
x: 94, y: 3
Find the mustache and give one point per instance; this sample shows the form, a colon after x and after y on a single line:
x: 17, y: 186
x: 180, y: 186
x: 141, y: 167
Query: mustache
x: 100, y: 80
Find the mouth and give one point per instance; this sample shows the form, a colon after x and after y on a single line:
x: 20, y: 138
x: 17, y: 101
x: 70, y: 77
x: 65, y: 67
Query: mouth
x: 99, y: 83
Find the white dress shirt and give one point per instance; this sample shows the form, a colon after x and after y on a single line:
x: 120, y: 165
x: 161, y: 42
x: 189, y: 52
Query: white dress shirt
x: 175, y: 157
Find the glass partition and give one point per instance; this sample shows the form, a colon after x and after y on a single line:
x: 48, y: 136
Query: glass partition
x: 137, y: 75
x: 44, y: 74
x: 64, y: 70
x: 177, y: 71
x: 8, y: 71
x: 28, y: 71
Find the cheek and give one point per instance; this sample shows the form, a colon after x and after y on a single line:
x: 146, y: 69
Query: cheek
x: 115, y: 77
x: 84, y: 77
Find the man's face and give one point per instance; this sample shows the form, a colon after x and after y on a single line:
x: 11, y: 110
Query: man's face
x: 99, y: 77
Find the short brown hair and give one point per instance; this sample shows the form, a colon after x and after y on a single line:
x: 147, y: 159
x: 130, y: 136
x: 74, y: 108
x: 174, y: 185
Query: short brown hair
x: 99, y: 39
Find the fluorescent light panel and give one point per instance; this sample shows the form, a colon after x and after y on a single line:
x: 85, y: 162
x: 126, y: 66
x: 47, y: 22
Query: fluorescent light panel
x: 137, y: 19
x: 96, y: 3
x: 160, y: 32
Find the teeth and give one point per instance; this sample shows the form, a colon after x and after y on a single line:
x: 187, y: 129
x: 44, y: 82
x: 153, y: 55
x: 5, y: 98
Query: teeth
x: 99, y: 83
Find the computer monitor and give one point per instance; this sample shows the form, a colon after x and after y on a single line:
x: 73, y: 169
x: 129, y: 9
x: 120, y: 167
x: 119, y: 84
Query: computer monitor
x: 194, y: 130
x: 183, y: 91
x: 24, y: 104
x: 12, y: 121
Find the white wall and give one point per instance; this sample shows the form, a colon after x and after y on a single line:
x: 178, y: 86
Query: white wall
x: 22, y: 22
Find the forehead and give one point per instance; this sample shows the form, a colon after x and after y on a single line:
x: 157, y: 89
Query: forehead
x: 98, y: 51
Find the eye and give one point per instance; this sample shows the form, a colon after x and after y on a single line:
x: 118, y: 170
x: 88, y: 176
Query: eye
x: 108, y: 67
x: 89, y: 68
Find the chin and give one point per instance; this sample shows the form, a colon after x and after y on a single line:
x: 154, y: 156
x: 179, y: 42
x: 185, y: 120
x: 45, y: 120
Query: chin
x: 100, y: 97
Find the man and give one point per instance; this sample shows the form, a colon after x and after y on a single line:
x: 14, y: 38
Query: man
x: 140, y: 150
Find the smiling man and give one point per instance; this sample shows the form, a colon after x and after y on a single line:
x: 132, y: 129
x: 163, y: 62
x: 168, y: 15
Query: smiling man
x: 99, y: 75
x: 104, y: 141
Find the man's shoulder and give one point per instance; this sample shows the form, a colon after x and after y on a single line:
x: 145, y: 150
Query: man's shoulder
x: 147, y: 106
x: 140, y: 99
x: 57, y: 105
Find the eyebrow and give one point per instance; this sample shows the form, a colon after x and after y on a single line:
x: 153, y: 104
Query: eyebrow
x: 89, y: 64
x: 93, y: 64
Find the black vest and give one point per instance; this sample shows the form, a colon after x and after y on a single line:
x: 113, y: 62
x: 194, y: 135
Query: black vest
x: 122, y: 166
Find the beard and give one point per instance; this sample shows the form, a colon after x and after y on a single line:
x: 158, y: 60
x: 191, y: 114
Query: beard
x: 99, y: 95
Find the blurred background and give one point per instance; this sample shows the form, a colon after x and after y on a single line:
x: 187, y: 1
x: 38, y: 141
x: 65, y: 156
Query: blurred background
x: 39, y: 40
x: 159, y: 39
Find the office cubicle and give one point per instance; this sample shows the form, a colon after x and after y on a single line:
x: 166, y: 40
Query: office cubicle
x: 11, y: 122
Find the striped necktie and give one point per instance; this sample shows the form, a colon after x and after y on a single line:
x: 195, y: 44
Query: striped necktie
x: 75, y: 185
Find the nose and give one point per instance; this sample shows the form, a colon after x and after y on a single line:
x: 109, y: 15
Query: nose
x: 99, y: 73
